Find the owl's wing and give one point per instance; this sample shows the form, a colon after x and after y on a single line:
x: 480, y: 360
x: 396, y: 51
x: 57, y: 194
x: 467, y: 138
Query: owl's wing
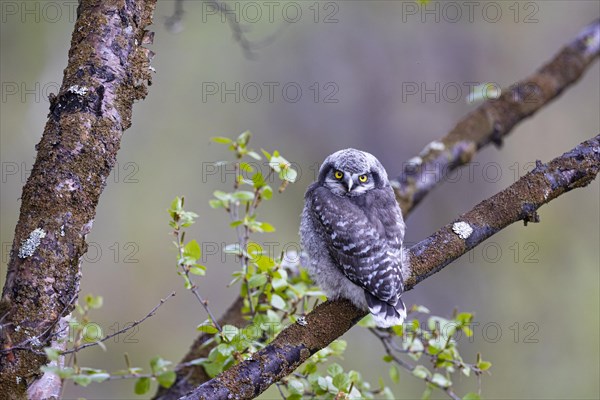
x: 364, y: 240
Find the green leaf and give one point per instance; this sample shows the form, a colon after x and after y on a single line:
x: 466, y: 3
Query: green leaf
x: 257, y: 280
x: 213, y: 369
x: 243, y: 195
x: 228, y: 332
x: 468, y: 331
x: 466, y: 370
x: 142, y: 386
x: 421, y: 372
x: 166, y: 379
x: 322, y: 383
x: 338, y: 346
x: 335, y: 369
x: 221, y: 139
x: 222, y: 195
x: 419, y: 309
x: 295, y: 386
x: 267, y: 227
x: 277, y: 302
x: 207, y: 327
x: 176, y: 205
x: 289, y: 174
x: 51, y: 353
x: 158, y: 364
x: 254, y: 155
x: 341, y: 381
x: 310, y: 368
x: 387, y: 358
x: 464, y: 317
x: 441, y: 381
x: 244, y: 138
x: 398, y: 330
x: 233, y: 248
x: 99, y: 376
x: 82, y: 380
x: 264, y: 263
x: 214, y: 203
x: 63, y: 373
x: 484, y: 365
x: 198, y: 269
x: 93, y: 302
x: 266, y: 153
x: 394, y: 374
x: 427, y: 392
x: 388, y: 394
x: 267, y: 192
x: 279, y: 284
x: 244, y: 166
x: 471, y: 396
x: 192, y: 250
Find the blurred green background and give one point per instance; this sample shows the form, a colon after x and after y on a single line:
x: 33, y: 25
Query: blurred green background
x: 534, y: 289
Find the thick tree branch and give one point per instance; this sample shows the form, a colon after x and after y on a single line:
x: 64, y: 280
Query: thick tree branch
x: 496, y: 118
x: 106, y: 73
x: 487, y: 124
x: 520, y: 201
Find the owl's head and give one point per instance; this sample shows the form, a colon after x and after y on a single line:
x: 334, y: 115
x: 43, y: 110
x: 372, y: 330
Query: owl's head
x: 352, y: 172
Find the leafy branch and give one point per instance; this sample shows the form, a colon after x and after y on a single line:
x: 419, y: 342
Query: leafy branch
x: 188, y: 254
x: 294, y: 345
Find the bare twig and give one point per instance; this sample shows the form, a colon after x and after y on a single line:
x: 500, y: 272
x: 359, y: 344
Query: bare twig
x: 239, y: 31
x: 193, y: 288
x: 125, y: 329
x: 410, y: 367
x: 39, y: 339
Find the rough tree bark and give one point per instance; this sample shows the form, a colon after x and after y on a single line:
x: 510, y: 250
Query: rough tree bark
x: 489, y: 123
x: 107, y: 71
x: 295, y: 344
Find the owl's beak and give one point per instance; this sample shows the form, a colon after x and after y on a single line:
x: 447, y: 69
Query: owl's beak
x: 349, y: 183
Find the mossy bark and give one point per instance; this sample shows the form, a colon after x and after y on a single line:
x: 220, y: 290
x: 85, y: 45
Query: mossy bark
x: 107, y: 71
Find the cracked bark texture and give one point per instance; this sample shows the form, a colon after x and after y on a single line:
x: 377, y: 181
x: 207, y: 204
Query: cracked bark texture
x: 107, y: 71
x: 489, y: 123
x: 520, y: 201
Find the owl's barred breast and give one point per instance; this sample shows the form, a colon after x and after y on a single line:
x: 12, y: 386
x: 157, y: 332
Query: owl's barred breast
x: 322, y: 268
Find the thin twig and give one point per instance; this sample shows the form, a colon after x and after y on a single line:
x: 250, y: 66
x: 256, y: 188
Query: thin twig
x: 409, y: 367
x: 194, y: 287
x: 21, y: 346
x: 283, y: 396
x: 125, y: 329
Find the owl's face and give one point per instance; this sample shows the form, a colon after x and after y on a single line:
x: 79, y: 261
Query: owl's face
x: 352, y: 172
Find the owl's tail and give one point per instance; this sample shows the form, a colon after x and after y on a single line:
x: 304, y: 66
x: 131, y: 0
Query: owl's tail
x: 386, y: 314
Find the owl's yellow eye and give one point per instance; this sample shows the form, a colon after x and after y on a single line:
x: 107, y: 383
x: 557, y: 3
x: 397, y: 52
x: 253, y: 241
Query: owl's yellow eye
x: 338, y: 175
x: 363, y: 178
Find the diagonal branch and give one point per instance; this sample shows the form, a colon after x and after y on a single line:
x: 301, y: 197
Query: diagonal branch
x: 496, y: 118
x: 107, y: 72
x: 520, y: 201
x: 488, y: 124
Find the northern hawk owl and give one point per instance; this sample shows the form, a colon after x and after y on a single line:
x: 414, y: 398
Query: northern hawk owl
x: 352, y: 231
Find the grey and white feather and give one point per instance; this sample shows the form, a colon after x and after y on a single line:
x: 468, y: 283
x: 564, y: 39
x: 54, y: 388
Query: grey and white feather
x: 352, y: 231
